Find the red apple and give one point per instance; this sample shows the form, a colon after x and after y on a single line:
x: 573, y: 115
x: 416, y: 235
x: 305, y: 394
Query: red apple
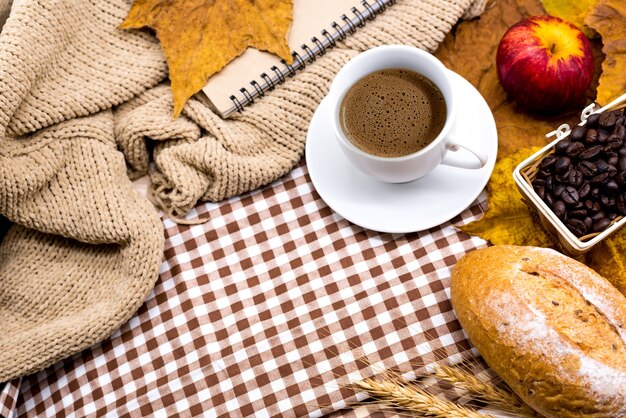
x: 545, y: 63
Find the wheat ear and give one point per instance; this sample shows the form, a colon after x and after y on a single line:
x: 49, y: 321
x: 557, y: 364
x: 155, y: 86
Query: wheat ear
x: 414, y: 399
x: 481, y: 390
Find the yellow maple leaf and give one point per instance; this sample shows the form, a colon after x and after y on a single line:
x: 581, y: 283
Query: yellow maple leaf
x: 199, y: 37
x: 574, y: 11
x: 608, y: 17
x: 507, y: 220
x: 607, y: 259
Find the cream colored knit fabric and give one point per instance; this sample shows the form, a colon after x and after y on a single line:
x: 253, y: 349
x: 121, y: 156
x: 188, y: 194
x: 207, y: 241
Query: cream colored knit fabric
x: 85, y: 249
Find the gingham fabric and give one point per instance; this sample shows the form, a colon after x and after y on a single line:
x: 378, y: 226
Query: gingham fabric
x: 8, y: 397
x: 269, y: 309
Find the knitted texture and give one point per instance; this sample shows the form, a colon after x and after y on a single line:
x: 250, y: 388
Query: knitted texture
x: 81, y: 106
x: 85, y: 248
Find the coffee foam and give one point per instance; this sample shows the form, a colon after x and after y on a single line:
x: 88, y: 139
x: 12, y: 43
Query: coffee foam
x: 393, y: 112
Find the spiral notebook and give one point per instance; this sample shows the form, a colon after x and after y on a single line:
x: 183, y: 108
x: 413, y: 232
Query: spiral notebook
x: 317, y: 26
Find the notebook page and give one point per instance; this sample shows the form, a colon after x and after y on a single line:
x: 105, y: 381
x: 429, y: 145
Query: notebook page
x: 309, y: 18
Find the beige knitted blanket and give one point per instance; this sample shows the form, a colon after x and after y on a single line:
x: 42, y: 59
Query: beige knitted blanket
x: 84, y: 108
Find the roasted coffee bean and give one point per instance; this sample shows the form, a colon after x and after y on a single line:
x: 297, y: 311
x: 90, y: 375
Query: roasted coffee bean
x: 578, y: 213
x: 601, y: 224
x: 595, y: 192
x: 622, y: 163
x: 621, y: 152
x: 613, y: 143
x: 613, y: 160
x: 577, y: 227
x: 575, y: 178
x: 611, y: 187
x: 559, y: 209
x: 591, y: 206
x: 608, y: 119
x: 561, y: 146
x: 549, y: 183
x: 607, y: 201
x: 562, y: 178
x: 602, y: 166
x: 612, y: 216
x: 591, y: 152
x: 579, y: 205
x: 591, y: 137
x: 541, y: 191
x: 570, y: 218
x: 574, y: 149
x: 620, y: 204
x: 583, y: 191
x: 542, y: 174
x: 596, y: 207
x: 570, y: 196
x: 599, y: 215
x: 592, y: 120
x: 547, y: 162
x: 602, y: 136
x: 558, y: 190
x: 562, y: 164
x: 611, y: 170
x: 588, y: 222
x: 577, y: 133
x: 603, y: 200
x: 549, y: 198
x: 620, y: 178
x: 620, y: 131
x: 588, y: 168
x: 599, y: 178
x: 620, y: 120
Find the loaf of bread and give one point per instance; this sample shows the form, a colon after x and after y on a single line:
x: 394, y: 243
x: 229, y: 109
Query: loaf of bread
x: 551, y: 327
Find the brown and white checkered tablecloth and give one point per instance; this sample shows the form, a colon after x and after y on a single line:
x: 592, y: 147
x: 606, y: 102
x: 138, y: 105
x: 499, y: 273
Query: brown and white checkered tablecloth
x: 270, y: 309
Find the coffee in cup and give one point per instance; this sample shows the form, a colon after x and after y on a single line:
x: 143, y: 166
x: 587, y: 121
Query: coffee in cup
x: 353, y: 126
x: 392, y: 112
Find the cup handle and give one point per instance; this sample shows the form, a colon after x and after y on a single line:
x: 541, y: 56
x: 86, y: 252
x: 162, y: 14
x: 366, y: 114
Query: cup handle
x: 452, y: 145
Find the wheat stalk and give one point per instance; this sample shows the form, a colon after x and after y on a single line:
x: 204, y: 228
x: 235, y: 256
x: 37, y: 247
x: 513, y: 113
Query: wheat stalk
x: 481, y: 390
x: 414, y: 399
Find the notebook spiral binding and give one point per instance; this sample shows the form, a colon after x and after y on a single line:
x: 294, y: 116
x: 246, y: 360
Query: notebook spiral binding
x: 318, y: 47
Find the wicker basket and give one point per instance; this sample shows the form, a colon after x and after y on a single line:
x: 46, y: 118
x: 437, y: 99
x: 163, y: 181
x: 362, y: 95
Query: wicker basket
x: 526, y: 171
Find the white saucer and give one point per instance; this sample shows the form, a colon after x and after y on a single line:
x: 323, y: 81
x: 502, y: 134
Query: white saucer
x: 408, y: 207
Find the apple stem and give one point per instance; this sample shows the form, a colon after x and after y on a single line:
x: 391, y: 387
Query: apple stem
x: 552, y: 48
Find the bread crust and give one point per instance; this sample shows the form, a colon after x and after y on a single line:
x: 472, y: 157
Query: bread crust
x: 552, y: 328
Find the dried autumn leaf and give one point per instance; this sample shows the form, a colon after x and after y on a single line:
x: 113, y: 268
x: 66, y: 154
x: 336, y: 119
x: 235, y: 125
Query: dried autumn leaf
x: 507, y: 220
x: 573, y: 11
x: 471, y: 52
x: 608, y: 18
x: 199, y: 37
x: 607, y: 259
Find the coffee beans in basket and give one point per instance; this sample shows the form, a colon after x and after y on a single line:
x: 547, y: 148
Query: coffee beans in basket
x: 584, y: 180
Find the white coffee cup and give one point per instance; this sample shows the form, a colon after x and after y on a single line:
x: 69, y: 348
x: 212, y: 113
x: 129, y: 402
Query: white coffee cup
x: 412, y: 166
